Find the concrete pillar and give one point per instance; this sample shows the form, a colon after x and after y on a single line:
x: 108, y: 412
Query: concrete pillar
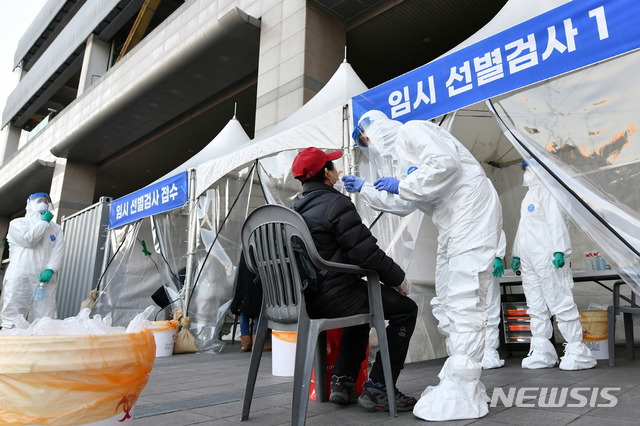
x: 72, y: 187
x: 95, y: 62
x: 11, y: 142
x: 301, y: 46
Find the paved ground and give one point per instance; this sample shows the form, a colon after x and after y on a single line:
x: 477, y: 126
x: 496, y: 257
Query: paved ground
x: 207, y: 390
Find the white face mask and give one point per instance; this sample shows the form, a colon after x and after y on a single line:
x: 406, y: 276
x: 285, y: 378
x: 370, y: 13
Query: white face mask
x: 40, y: 207
x: 527, y: 178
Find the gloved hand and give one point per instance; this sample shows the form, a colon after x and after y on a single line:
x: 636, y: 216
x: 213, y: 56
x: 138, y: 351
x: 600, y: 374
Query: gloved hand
x: 515, y: 263
x: 558, y: 259
x: 46, y: 215
x: 389, y: 184
x: 352, y: 183
x: 404, y: 288
x: 498, y: 267
x: 144, y: 248
x: 45, y: 276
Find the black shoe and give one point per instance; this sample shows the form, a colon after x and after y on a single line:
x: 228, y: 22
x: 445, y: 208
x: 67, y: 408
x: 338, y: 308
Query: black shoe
x: 374, y: 398
x: 404, y: 402
x: 343, y: 390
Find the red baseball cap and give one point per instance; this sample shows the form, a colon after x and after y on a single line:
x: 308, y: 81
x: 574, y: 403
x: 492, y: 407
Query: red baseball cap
x: 310, y: 161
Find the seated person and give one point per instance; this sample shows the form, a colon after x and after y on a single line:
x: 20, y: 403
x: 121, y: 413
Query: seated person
x: 336, y: 226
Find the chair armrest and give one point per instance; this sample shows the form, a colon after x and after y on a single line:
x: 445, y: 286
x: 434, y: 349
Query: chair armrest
x: 372, y: 276
x: 337, y: 267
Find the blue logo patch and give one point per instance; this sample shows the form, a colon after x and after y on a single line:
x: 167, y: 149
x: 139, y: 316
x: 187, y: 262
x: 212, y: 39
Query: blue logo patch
x: 411, y: 169
x: 531, y: 207
x: 53, y: 237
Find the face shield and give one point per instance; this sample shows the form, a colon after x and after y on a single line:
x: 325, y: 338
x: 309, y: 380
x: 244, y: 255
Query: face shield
x: 375, y: 134
x: 39, y: 202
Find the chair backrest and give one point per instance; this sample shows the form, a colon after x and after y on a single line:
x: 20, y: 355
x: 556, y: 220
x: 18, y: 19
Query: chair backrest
x: 268, y: 237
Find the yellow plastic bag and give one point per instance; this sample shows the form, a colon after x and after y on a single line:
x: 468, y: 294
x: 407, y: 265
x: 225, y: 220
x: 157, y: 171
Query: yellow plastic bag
x: 63, y: 380
x: 594, y: 325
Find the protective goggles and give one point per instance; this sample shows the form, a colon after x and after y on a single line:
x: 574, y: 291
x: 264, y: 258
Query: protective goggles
x: 358, y: 135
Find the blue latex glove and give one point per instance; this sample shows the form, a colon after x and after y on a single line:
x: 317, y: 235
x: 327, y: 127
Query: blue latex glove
x: 515, y: 264
x: 558, y: 260
x: 46, y: 215
x: 352, y: 183
x: 389, y: 184
x: 498, y: 267
x: 46, y: 275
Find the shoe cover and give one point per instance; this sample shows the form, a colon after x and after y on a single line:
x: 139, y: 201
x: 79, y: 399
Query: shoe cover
x: 459, y: 394
x: 483, y: 392
x: 541, y: 355
x: 577, y: 356
x: 491, y: 359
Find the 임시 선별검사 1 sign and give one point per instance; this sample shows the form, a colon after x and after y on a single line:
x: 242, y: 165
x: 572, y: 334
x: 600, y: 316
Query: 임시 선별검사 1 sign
x: 569, y: 37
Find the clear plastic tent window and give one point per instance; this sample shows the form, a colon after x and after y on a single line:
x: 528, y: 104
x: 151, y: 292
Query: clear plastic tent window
x: 577, y: 131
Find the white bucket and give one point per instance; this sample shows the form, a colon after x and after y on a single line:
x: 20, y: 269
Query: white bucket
x: 599, y: 349
x: 283, y: 353
x: 164, y: 333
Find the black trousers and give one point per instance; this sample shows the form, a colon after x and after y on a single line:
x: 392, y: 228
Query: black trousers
x: 401, y: 312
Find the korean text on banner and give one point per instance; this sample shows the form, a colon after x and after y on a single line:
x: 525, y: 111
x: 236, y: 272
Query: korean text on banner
x: 159, y: 197
x: 569, y: 37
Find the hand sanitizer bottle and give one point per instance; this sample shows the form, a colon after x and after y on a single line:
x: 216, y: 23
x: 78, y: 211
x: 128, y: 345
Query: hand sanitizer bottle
x: 40, y: 291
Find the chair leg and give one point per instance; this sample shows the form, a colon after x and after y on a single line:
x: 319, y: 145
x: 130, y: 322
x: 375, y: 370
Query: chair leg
x: 378, y: 324
x: 320, y: 368
x: 628, y: 334
x: 234, y: 328
x: 305, y: 348
x: 611, y: 323
x: 256, y: 355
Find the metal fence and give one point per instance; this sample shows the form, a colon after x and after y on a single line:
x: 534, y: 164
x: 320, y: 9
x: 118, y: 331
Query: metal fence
x: 85, y: 234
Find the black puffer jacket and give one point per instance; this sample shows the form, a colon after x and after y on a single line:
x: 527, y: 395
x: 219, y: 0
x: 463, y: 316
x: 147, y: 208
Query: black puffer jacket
x: 335, y: 224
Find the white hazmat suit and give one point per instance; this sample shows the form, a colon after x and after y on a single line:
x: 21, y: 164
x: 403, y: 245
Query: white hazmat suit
x: 36, y: 245
x: 542, y: 232
x: 491, y: 357
x: 439, y: 176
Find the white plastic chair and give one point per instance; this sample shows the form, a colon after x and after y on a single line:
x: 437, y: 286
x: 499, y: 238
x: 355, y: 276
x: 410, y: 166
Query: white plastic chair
x: 267, y: 243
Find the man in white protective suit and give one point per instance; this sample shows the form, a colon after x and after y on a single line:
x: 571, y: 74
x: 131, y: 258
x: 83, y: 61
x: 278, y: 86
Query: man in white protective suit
x: 491, y: 357
x: 540, y: 250
x: 434, y: 172
x: 36, y: 250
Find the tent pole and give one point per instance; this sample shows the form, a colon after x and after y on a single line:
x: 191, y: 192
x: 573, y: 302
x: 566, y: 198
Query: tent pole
x: 191, y: 242
x: 347, y: 147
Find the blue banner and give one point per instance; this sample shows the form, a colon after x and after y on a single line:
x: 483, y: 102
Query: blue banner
x: 566, y: 38
x: 156, y: 198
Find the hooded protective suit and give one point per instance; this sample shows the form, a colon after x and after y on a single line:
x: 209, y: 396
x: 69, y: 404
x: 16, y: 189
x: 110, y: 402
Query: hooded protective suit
x: 544, y: 230
x: 439, y: 176
x: 491, y: 357
x: 36, y: 245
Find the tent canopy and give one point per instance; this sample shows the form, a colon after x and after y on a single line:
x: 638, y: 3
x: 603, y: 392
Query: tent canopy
x: 317, y: 123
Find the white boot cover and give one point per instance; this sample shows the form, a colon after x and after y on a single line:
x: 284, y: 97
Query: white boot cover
x: 541, y: 355
x: 491, y: 359
x: 577, y: 356
x: 459, y: 394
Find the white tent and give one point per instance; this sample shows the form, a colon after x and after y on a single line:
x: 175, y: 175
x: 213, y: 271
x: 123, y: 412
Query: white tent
x: 231, y: 135
x: 223, y: 185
